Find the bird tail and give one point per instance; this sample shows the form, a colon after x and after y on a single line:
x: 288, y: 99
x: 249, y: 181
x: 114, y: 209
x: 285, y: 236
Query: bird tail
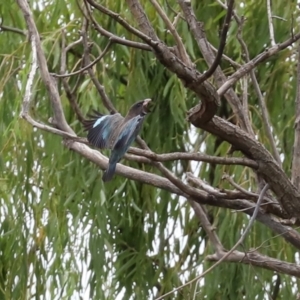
x: 109, y: 173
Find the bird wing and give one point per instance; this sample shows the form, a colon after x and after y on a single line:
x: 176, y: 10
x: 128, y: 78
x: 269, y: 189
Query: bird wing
x: 128, y: 133
x: 103, y: 129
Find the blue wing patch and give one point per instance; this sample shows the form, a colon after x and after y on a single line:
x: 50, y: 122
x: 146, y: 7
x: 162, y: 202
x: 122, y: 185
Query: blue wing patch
x: 103, y: 129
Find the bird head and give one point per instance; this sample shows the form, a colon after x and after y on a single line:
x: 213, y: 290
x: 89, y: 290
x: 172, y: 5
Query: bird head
x: 139, y: 108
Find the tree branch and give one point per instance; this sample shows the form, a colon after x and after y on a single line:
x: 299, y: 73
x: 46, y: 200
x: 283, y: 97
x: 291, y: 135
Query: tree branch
x: 296, y: 149
x: 112, y: 36
x: 59, y: 117
x: 270, y: 22
x: 286, y: 193
x: 222, y: 45
x: 261, y: 100
x: 80, y: 71
x: 181, y: 49
x: 198, y: 32
x: 4, y: 28
x: 100, y: 88
x: 195, y: 157
x: 259, y: 260
x: 224, y: 257
x: 63, y: 66
x: 150, y: 37
x: 256, y: 61
x: 201, y: 213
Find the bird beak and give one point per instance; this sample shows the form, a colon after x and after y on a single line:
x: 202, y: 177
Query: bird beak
x: 145, y: 105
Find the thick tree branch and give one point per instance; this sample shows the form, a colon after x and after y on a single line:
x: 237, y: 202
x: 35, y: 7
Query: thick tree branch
x: 259, y: 260
x: 60, y: 120
x: 288, y: 233
x: 190, y: 76
x: 197, y: 29
x: 286, y: 193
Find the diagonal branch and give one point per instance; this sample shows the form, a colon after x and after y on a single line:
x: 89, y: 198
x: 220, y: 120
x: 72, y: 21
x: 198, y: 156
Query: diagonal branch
x: 181, y: 49
x: 108, y: 34
x: 285, y: 191
x: 80, y: 71
x: 201, y: 213
x: 100, y: 88
x: 59, y: 116
x: 270, y: 22
x: 261, y: 100
x: 149, y: 37
x: 63, y: 66
x: 28, y: 89
x: 256, y: 61
x: 197, y: 29
x: 219, y: 55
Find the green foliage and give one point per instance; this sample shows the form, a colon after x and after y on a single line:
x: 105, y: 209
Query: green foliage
x: 65, y: 234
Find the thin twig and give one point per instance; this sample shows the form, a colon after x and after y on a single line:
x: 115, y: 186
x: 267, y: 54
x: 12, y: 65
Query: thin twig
x: 149, y: 39
x: 110, y: 42
x: 239, y: 242
x: 63, y: 66
x: 174, y: 11
x: 218, y: 57
x: 100, y: 88
x: 75, y: 43
x: 115, y: 38
x: 4, y: 28
x: 244, y: 191
x: 230, y: 60
x: 203, y: 185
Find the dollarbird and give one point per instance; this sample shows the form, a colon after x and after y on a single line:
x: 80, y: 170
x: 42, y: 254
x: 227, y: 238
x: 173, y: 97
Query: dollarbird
x: 116, y: 132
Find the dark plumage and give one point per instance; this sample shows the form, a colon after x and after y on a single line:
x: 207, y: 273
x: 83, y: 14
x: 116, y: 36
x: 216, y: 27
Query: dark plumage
x: 115, y: 132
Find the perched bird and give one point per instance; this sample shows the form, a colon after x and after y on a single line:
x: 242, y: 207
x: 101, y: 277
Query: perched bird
x: 115, y: 132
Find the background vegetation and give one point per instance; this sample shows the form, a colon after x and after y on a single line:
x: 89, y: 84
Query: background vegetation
x: 64, y: 234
